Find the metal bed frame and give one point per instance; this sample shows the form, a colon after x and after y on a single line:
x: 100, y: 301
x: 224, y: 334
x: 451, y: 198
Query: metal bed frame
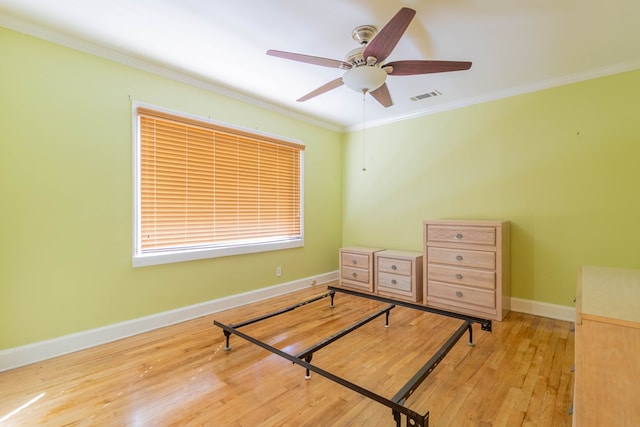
x: 396, y: 403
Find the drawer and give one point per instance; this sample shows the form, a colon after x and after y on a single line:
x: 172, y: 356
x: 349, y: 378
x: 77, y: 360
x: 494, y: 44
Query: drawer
x: 350, y: 259
x: 462, y: 295
x: 394, y: 265
x: 355, y: 274
x: 394, y: 281
x: 462, y: 276
x: 463, y: 258
x: 461, y: 234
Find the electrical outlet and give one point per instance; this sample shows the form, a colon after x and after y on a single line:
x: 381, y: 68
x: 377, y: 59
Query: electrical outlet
x: 278, y: 271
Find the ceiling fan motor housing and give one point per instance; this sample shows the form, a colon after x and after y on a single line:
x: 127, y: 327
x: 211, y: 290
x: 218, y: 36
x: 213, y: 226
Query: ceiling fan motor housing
x: 355, y: 57
x: 362, y: 34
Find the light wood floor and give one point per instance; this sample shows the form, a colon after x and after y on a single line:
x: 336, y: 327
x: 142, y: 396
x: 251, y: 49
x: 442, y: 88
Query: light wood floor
x: 181, y: 375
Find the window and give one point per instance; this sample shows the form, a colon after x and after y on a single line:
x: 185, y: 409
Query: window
x: 203, y: 189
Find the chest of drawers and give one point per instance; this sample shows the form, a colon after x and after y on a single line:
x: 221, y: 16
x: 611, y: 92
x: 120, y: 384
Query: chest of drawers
x: 398, y: 274
x: 357, y: 268
x: 466, y: 265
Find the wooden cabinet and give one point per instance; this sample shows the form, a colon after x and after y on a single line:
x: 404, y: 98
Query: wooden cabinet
x: 398, y: 274
x: 466, y: 267
x: 356, y: 268
x: 607, y: 368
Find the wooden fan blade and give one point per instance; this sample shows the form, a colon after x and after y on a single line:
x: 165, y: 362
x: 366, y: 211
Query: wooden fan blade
x: 383, y: 96
x: 388, y: 37
x: 409, y: 68
x: 322, y: 89
x: 315, y: 60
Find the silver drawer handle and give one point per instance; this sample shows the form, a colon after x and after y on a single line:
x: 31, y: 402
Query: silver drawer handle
x: 394, y: 282
x: 393, y: 267
x: 459, y: 276
x: 459, y: 236
x: 458, y: 294
x: 354, y: 274
x: 354, y: 262
x: 459, y: 258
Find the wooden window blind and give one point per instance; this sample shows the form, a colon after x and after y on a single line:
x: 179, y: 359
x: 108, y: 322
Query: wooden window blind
x: 203, y: 185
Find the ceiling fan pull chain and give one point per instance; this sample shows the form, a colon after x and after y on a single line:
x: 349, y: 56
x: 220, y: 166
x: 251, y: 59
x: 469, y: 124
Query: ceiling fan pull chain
x: 364, y: 139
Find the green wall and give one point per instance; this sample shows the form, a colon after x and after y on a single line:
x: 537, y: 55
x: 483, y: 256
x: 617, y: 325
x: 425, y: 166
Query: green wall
x: 66, y: 196
x: 563, y: 165
x: 560, y: 164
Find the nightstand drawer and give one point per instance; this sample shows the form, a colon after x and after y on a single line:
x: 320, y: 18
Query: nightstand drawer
x: 394, y: 281
x: 463, y: 276
x: 461, y: 295
x: 350, y: 259
x: 461, y: 234
x: 356, y: 274
x: 394, y: 265
x: 462, y: 257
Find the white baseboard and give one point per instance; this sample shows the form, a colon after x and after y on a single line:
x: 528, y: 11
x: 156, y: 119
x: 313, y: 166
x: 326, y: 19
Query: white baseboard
x: 36, y: 352
x: 543, y: 309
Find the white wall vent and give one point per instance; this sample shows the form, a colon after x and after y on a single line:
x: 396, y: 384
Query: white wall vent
x: 426, y: 95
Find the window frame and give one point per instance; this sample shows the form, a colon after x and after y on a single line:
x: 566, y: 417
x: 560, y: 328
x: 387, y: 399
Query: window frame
x: 157, y: 256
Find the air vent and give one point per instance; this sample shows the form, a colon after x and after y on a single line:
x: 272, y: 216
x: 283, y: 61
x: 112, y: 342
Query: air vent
x: 426, y: 95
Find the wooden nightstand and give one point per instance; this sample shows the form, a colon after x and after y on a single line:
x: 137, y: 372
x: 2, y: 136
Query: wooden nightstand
x: 357, y: 267
x: 398, y: 274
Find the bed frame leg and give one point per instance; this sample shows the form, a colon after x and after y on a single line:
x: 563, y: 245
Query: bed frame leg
x: 397, y: 417
x: 227, y: 335
x: 416, y: 420
x: 307, y: 359
x: 386, y: 321
x: 470, y: 343
x: 332, y: 295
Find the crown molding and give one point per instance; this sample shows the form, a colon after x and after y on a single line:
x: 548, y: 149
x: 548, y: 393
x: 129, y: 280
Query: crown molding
x: 515, y: 91
x: 75, y: 43
x: 85, y: 46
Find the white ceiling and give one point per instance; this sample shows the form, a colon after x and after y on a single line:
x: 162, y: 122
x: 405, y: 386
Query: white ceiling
x: 516, y: 46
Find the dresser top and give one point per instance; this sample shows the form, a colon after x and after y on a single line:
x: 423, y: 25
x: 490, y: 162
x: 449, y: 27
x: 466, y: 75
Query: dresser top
x: 399, y: 254
x: 467, y: 222
x: 360, y: 249
x: 609, y: 293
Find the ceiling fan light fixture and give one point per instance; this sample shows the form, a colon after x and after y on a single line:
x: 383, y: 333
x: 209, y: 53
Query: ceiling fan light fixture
x: 365, y: 78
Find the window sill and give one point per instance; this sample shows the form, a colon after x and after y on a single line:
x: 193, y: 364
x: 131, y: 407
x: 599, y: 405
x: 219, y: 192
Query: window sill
x: 157, y: 258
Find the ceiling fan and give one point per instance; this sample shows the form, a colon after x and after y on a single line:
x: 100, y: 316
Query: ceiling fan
x: 366, y: 71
